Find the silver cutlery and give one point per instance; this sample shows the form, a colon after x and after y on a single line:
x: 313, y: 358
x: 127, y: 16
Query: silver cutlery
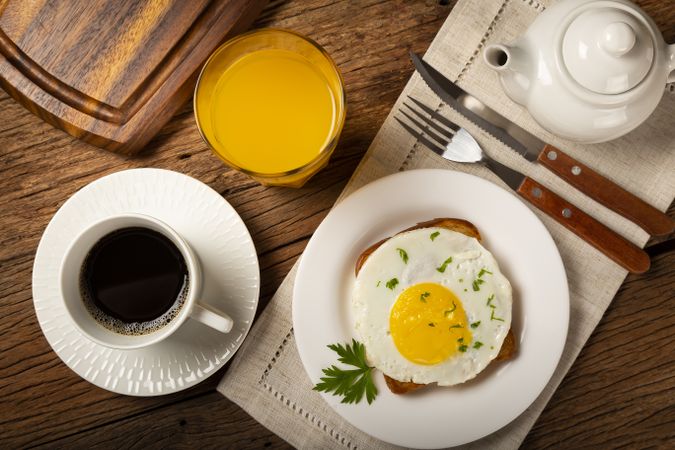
x: 454, y: 143
x: 534, y: 149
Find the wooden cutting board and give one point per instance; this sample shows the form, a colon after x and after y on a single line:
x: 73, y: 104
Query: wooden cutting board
x: 112, y: 72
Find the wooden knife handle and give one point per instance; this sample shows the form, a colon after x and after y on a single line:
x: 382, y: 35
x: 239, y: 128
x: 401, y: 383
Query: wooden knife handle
x: 606, y: 192
x: 617, y: 248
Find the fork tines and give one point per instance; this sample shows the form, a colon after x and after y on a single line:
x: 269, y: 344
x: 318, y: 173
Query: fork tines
x: 430, y: 124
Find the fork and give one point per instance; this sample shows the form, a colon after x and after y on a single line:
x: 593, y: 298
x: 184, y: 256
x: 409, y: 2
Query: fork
x: 454, y: 143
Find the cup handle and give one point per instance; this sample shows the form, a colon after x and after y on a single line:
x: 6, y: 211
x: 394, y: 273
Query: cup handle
x: 208, y: 316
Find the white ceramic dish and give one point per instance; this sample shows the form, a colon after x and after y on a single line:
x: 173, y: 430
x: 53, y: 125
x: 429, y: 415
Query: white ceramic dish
x: 231, y: 281
x: 436, y: 417
x: 602, y: 63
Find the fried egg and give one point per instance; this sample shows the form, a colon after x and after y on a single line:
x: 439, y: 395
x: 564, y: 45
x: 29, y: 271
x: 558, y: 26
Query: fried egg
x: 431, y: 306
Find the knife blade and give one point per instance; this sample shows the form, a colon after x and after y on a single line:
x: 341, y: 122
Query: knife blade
x: 534, y: 149
x: 460, y: 146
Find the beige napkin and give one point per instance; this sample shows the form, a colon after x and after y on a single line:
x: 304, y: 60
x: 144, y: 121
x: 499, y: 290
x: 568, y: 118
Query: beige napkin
x: 267, y: 378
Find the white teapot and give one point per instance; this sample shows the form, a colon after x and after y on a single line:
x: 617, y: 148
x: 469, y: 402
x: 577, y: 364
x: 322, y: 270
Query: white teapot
x: 587, y: 70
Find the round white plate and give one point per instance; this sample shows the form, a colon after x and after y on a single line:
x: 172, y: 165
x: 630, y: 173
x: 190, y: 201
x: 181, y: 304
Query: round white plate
x: 436, y: 417
x: 231, y: 281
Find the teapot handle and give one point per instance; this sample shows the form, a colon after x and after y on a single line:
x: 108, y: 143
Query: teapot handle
x: 671, y: 63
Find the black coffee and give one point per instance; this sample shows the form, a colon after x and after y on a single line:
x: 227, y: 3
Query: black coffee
x: 134, y: 280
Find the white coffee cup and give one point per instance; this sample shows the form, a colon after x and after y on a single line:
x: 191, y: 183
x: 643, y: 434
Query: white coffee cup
x: 71, y: 290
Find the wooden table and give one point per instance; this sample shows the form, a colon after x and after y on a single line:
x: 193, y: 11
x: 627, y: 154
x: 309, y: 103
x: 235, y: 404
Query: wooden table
x: 620, y: 392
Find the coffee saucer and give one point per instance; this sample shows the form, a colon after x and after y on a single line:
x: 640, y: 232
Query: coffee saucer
x: 231, y: 279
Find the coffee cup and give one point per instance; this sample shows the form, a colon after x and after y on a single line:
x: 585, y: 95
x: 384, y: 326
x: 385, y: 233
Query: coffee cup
x: 96, y: 320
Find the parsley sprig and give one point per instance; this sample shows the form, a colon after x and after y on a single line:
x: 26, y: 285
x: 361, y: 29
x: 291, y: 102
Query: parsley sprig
x: 351, y: 384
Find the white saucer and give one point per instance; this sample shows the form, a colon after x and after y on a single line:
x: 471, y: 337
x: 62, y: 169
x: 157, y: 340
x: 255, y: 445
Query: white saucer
x: 231, y: 281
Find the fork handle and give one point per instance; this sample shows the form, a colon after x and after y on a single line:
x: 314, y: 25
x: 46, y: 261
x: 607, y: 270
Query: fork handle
x: 606, y: 192
x: 616, y: 247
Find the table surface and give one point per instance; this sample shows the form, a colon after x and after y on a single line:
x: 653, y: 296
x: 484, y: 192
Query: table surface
x: 618, y: 393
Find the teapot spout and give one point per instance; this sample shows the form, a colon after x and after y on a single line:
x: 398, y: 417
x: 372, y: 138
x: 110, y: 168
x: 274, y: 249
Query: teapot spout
x: 511, y: 63
x: 498, y: 57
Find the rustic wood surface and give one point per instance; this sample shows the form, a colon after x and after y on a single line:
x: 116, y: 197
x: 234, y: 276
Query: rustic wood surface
x: 112, y: 73
x: 618, y: 393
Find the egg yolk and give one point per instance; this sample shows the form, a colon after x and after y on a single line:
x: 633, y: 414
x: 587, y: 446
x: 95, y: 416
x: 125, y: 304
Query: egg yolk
x: 428, y: 324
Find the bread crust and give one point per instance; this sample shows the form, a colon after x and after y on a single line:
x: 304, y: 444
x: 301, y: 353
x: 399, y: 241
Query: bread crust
x: 508, y: 349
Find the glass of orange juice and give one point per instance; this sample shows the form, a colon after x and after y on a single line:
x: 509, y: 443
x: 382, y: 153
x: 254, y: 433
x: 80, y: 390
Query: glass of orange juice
x: 271, y: 103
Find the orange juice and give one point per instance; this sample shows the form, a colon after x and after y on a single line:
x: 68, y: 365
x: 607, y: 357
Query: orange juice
x: 274, y: 112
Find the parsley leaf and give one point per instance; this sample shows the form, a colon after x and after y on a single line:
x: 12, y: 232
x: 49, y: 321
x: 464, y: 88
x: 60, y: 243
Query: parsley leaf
x: 475, y: 324
x: 483, y: 271
x: 476, y: 284
x: 490, y: 298
x: 434, y: 235
x: 455, y: 326
x: 493, y: 317
x: 477, y: 344
x: 351, y: 384
x: 478, y: 281
x: 423, y: 296
x: 378, y: 284
x: 431, y: 324
x: 463, y: 348
x: 450, y: 311
x: 403, y: 254
x: 444, y: 265
x: 391, y: 284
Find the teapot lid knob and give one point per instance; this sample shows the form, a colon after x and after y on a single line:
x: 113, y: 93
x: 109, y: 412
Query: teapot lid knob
x: 618, y: 38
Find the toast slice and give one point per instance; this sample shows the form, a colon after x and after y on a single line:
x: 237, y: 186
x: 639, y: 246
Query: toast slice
x: 508, y: 349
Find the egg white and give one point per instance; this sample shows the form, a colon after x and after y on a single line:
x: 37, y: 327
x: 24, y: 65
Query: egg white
x: 372, y: 302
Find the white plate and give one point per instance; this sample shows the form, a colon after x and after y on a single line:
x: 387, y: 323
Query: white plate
x: 231, y: 281
x: 436, y: 417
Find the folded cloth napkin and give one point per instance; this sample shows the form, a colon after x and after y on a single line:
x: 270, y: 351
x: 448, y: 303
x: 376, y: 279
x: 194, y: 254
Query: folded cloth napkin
x: 267, y: 378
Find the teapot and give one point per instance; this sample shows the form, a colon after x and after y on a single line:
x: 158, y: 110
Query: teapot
x: 587, y: 70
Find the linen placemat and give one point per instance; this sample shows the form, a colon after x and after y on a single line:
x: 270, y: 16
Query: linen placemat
x: 267, y: 378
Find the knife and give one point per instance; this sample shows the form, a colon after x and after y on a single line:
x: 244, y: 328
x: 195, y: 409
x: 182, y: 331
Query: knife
x: 459, y: 146
x: 586, y: 180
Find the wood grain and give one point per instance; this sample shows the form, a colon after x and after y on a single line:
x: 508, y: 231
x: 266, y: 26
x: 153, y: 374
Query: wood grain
x: 38, y: 176
x: 111, y: 85
x: 619, y: 393
x: 613, y: 245
x: 614, y: 396
x: 42, y: 403
x: 606, y: 192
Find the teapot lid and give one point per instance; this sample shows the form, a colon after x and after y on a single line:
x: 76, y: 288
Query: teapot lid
x: 608, y: 50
